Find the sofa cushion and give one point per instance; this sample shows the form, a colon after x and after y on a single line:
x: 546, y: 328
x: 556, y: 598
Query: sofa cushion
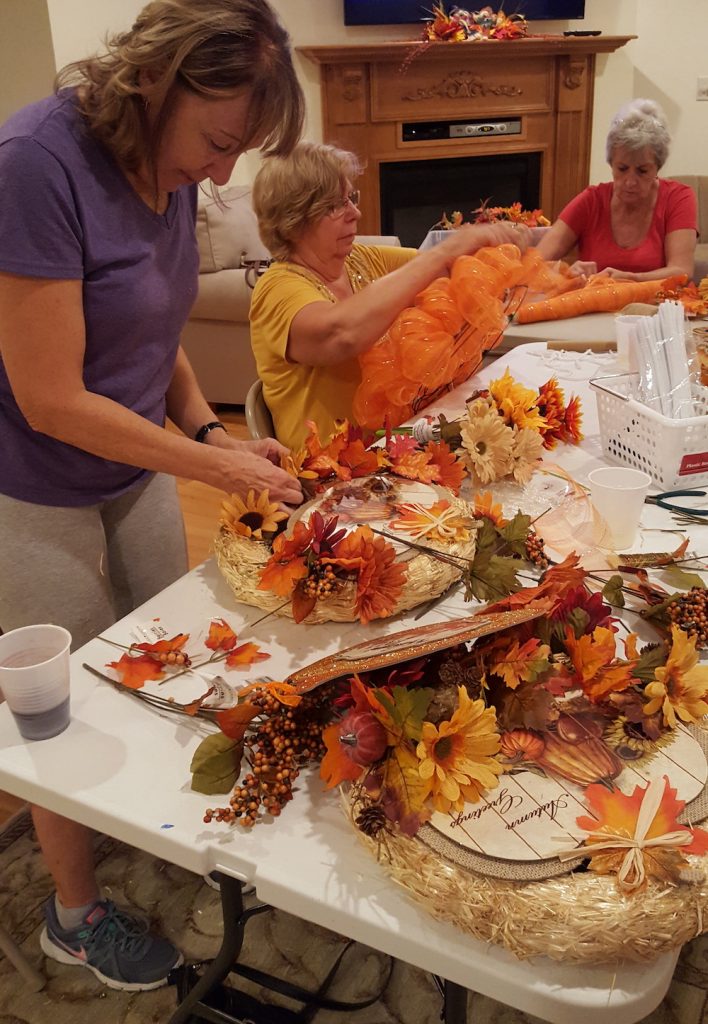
x: 227, y: 231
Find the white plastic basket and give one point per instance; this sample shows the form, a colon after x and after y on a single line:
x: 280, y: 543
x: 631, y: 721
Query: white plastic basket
x: 673, y: 452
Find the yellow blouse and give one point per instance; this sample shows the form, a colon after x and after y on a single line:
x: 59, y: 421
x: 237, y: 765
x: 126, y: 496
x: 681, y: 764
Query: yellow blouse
x: 294, y: 392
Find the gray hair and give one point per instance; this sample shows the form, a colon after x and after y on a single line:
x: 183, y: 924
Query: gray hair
x: 637, y: 124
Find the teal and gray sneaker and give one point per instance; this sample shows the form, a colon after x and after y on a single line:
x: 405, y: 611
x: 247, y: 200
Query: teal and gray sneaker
x: 116, y: 946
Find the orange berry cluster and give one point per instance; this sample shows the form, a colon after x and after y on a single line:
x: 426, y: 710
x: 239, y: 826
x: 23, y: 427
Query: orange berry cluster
x: 321, y: 581
x: 535, y: 551
x: 690, y: 613
x: 176, y: 658
x: 283, y: 740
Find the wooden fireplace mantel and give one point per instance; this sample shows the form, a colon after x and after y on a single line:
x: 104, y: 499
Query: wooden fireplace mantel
x: 370, y: 91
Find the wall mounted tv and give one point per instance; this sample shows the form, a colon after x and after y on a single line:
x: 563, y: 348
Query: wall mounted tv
x: 404, y: 12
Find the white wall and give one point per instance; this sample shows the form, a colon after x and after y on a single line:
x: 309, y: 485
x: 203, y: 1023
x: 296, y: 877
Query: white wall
x: 26, y: 57
x: 662, y: 63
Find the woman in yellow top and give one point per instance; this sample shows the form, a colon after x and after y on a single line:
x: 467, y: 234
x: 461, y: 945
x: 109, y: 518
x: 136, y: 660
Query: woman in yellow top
x: 325, y: 299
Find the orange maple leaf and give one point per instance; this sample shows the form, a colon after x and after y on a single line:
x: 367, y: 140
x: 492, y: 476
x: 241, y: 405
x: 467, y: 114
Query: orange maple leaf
x: 618, y: 815
x: 416, y: 466
x: 324, y: 459
x: 233, y: 722
x: 135, y: 671
x: 245, y: 655
x: 336, y: 766
x: 522, y: 662
x: 360, y: 460
x: 287, y: 564
x: 593, y: 657
x: 556, y: 583
x: 164, y: 646
x: 283, y: 692
x: 221, y: 636
x: 452, y: 471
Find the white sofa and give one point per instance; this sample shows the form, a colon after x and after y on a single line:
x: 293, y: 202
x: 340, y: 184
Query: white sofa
x: 216, y: 337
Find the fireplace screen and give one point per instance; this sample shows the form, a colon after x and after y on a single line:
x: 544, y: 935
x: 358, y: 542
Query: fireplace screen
x: 416, y: 193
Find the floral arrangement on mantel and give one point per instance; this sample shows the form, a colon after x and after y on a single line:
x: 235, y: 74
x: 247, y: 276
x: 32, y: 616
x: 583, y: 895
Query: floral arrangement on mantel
x: 460, y: 25
x: 485, y: 214
x: 319, y: 570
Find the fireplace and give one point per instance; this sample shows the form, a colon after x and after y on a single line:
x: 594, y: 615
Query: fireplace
x: 415, y: 193
x: 508, y: 121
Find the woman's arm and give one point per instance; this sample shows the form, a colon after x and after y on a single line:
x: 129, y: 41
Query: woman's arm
x: 42, y: 345
x: 679, y: 253
x: 323, y: 334
x: 557, y: 242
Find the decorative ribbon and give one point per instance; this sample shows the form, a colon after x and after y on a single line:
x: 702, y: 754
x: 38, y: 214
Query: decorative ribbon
x: 631, y: 875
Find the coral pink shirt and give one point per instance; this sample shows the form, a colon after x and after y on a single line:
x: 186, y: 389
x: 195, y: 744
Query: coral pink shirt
x: 588, y: 217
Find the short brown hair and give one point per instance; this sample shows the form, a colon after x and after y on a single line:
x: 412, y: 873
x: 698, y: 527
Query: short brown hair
x: 292, y: 191
x: 209, y: 47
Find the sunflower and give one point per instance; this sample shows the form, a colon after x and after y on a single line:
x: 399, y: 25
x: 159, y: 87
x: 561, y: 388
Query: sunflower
x: 252, y: 517
x: 528, y: 446
x: 484, y: 508
x: 380, y: 577
x: 486, y: 442
x: 457, y: 757
x: 551, y: 405
x: 680, y: 687
x: 516, y: 403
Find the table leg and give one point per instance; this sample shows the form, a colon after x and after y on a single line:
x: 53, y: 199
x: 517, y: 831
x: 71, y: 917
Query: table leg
x: 218, y: 970
x: 455, y: 1003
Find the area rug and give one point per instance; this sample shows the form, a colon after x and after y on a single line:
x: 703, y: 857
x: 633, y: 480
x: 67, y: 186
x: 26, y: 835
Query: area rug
x: 187, y: 910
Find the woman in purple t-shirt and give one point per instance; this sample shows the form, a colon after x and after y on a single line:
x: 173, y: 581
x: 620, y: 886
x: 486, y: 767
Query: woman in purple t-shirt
x: 638, y: 227
x: 98, y: 271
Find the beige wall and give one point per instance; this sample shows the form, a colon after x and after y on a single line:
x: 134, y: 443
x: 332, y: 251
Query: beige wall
x: 662, y: 63
x: 26, y: 55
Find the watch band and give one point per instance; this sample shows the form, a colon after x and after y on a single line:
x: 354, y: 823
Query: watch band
x: 204, y: 430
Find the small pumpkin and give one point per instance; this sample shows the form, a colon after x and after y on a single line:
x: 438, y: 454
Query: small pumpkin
x: 362, y: 737
x: 574, y: 728
x: 522, y: 745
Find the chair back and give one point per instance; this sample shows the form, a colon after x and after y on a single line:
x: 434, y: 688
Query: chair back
x: 258, y: 418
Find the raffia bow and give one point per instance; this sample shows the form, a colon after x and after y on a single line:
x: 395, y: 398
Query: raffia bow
x: 632, y: 875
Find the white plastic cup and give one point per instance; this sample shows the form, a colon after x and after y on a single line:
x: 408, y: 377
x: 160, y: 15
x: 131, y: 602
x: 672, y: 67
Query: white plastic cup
x: 625, y: 333
x: 34, y: 676
x: 618, y: 494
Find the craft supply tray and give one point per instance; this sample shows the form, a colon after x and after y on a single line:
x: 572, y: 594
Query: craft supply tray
x: 673, y: 451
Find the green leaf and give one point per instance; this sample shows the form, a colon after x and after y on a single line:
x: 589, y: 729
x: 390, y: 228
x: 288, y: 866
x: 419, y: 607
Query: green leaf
x: 515, y: 533
x: 216, y: 764
x: 683, y: 580
x: 578, y: 620
x: 612, y: 591
x: 407, y: 707
x: 491, y: 577
x: 487, y: 537
x: 650, y: 659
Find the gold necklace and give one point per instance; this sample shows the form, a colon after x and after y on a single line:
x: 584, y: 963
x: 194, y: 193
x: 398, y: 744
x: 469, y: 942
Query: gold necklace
x: 357, y: 271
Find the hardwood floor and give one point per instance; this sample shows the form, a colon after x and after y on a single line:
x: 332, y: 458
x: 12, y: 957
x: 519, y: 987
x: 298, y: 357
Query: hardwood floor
x: 200, y: 508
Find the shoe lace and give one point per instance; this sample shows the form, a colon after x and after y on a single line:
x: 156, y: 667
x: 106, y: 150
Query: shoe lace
x: 116, y: 928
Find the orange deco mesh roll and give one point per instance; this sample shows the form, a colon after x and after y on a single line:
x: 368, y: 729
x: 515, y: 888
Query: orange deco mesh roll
x: 438, y: 343
x: 600, y: 295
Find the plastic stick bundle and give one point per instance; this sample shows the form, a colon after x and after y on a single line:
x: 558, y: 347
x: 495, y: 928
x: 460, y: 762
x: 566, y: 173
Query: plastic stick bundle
x: 439, y: 342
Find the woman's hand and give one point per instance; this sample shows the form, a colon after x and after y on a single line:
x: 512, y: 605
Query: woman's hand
x: 468, y: 238
x: 583, y: 268
x: 243, y: 468
x: 620, y: 275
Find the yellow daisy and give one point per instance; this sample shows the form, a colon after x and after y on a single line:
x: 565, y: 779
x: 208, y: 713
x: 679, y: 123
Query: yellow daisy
x: 516, y: 403
x: 680, y: 687
x: 457, y: 758
x: 486, y: 442
x: 252, y: 517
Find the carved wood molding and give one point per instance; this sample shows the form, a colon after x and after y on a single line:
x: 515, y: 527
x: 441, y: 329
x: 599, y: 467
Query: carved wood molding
x: 573, y: 73
x: 498, y: 49
x: 462, y: 85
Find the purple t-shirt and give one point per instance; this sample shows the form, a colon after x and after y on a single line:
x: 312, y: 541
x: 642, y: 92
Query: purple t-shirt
x: 68, y: 212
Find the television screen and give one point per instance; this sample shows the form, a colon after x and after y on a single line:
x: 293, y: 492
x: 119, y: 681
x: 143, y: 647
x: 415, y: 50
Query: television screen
x: 402, y: 12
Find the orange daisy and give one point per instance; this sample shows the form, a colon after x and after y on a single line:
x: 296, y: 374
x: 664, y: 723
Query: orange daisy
x: 551, y: 405
x: 380, y: 577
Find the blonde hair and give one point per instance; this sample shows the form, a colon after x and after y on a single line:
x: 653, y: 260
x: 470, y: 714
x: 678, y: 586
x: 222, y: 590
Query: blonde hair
x: 639, y: 124
x: 207, y: 47
x: 292, y: 191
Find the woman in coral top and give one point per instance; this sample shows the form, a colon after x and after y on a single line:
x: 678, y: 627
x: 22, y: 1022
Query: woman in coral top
x: 325, y: 299
x: 638, y: 227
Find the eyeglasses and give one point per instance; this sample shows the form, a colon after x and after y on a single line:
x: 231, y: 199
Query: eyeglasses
x: 353, y: 197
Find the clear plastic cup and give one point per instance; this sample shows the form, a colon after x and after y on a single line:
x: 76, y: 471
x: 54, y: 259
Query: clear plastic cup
x: 618, y: 494
x: 34, y: 677
x: 625, y: 333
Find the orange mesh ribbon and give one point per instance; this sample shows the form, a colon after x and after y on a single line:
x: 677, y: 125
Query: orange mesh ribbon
x: 600, y: 295
x: 439, y: 342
